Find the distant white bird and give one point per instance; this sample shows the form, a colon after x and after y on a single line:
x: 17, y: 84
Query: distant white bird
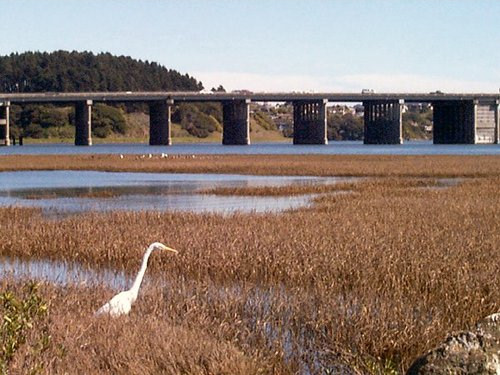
x: 122, y: 302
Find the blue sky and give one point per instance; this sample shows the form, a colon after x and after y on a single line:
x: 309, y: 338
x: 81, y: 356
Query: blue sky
x: 295, y: 45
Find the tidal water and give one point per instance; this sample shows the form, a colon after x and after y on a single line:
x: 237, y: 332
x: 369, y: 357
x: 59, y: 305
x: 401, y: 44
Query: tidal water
x: 333, y: 148
x: 62, y: 273
x: 82, y: 191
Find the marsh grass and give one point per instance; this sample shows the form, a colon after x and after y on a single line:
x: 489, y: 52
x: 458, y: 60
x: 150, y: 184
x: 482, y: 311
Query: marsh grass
x: 70, y: 193
x: 361, y: 282
x: 324, y: 189
x: 311, y: 165
x: 143, y: 342
x: 281, y: 190
x: 40, y: 196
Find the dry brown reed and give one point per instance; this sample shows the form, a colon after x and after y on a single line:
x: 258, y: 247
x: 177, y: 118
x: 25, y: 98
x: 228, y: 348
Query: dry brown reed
x: 135, y: 344
x: 317, y: 165
x: 73, y: 193
x: 324, y: 188
x: 366, y: 281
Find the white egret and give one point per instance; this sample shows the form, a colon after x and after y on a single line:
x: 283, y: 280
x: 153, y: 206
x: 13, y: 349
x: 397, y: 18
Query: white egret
x: 122, y: 302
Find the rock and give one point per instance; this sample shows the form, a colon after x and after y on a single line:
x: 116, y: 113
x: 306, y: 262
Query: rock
x: 476, y: 352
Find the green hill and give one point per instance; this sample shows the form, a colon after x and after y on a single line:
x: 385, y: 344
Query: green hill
x: 64, y: 71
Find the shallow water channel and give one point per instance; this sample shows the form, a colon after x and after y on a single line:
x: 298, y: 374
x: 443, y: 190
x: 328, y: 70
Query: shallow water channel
x: 62, y: 273
x: 81, y: 191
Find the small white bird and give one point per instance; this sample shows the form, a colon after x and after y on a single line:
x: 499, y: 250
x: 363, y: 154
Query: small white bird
x: 122, y: 302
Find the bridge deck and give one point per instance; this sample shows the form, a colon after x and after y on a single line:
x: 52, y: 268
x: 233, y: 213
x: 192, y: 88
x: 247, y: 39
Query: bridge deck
x: 178, y: 96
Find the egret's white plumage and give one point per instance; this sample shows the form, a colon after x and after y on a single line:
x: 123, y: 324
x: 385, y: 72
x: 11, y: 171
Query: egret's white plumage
x: 122, y: 302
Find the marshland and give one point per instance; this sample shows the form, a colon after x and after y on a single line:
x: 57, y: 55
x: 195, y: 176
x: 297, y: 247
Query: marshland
x: 362, y: 282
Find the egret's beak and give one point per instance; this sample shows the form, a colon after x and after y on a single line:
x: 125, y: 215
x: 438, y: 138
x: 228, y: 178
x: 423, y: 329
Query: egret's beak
x: 163, y: 247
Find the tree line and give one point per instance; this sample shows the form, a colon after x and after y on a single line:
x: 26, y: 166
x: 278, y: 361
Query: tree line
x: 64, y: 71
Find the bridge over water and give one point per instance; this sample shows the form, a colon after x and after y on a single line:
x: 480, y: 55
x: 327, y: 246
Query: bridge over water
x: 458, y: 118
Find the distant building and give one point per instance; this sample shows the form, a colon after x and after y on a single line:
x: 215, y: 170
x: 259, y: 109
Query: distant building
x: 244, y: 92
x: 359, y: 110
x: 341, y: 109
x: 417, y: 107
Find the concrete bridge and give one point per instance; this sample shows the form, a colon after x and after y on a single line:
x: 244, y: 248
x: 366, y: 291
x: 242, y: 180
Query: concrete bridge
x: 458, y: 118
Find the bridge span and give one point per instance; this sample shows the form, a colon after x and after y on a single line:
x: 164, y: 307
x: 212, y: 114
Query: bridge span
x: 457, y: 118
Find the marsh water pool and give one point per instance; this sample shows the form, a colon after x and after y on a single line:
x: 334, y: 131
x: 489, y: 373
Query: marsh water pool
x: 82, y: 191
x: 62, y: 273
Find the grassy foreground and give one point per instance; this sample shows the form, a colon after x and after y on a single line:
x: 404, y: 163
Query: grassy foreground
x: 366, y: 281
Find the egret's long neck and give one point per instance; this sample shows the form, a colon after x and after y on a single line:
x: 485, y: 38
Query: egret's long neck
x: 138, y: 279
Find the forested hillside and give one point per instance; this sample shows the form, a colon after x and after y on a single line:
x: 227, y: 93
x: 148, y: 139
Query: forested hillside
x: 84, y: 71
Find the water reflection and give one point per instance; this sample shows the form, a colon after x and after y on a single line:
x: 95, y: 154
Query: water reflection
x: 62, y: 273
x: 199, y: 203
x: 170, y: 182
x: 81, y: 191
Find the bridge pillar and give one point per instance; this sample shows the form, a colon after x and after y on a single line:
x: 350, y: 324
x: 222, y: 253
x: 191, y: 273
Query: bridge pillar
x: 159, y: 122
x: 309, y: 122
x: 486, y: 121
x: 497, y: 120
x: 383, y: 122
x: 236, y: 122
x: 83, y: 123
x: 5, y: 123
x: 454, y: 121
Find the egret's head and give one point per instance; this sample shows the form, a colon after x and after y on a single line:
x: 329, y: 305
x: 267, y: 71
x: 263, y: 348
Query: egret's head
x: 160, y: 246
